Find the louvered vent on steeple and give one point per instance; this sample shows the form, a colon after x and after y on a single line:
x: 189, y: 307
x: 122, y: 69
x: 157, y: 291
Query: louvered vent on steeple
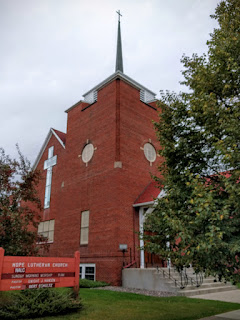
x: 146, y: 96
x: 91, y: 96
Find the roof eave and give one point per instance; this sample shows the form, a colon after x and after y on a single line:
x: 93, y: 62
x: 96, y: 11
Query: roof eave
x: 124, y: 77
x: 57, y: 137
x: 149, y: 203
x: 50, y: 133
x: 73, y: 106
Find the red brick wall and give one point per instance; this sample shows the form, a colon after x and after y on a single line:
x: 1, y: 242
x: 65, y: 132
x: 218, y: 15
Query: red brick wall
x: 118, y: 125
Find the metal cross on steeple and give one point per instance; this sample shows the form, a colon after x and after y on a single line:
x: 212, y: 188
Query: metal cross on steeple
x: 119, y: 14
x: 119, y: 60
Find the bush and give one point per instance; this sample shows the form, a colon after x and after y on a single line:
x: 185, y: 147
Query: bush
x: 37, y: 303
x: 85, y: 283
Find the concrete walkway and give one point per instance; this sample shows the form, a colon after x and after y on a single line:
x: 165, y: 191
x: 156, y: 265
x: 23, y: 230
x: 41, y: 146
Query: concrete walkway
x: 225, y: 316
x: 228, y: 296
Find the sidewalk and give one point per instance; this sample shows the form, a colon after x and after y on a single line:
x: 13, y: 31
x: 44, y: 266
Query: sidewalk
x: 233, y: 315
x: 228, y: 296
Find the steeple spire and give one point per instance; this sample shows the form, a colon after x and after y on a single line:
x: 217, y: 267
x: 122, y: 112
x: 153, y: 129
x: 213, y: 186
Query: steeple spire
x: 119, y: 60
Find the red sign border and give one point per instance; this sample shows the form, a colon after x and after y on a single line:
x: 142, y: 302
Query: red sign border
x: 76, y: 267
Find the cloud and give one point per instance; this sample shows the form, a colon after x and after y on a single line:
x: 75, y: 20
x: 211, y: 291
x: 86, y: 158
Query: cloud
x: 54, y: 51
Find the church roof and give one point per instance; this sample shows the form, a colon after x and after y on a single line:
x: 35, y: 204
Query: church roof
x: 60, y: 136
x: 118, y: 75
x: 148, y: 195
x: 90, y: 96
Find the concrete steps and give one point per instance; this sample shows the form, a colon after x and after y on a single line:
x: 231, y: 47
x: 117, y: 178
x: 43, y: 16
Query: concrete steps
x: 209, y: 284
x: 197, y: 291
x: 157, y: 279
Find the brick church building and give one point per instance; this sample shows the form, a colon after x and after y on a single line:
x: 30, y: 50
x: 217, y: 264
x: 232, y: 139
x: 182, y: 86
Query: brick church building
x: 97, y: 181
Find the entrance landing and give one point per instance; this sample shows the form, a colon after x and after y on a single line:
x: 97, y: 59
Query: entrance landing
x: 169, y: 280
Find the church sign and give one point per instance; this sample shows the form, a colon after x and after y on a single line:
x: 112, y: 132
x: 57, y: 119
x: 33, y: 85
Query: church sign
x: 19, y: 273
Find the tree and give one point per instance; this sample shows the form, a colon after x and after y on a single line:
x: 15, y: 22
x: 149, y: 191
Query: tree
x: 198, y: 221
x: 19, y: 206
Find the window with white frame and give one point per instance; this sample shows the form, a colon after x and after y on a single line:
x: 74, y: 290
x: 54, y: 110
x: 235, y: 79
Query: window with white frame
x: 84, y: 227
x: 87, y: 152
x: 87, y: 271
x: 150, y: 152
x: 46, y: 229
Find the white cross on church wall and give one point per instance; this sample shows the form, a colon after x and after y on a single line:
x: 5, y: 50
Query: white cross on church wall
x: 48, y: 164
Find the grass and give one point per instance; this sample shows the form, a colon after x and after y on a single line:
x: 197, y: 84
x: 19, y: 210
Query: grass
x: 108, y: 305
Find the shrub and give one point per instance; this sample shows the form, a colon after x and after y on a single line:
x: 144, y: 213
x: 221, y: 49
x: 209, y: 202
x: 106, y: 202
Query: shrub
x: 85, y: 283
x: 37, y: 303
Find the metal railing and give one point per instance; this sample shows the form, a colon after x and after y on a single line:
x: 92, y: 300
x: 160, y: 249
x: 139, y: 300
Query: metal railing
x: 197, y: 282
x: 180, y: 283
x: 184, y: 279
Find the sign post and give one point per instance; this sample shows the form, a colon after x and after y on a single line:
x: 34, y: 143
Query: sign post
x: 76, y: 279
x: 19, y: 273
x: 1, y: 262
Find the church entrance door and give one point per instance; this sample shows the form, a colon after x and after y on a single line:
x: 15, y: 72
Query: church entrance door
x: 148, y: 260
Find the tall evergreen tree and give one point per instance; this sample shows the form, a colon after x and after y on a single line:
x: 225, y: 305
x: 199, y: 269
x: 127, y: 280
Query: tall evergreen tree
x: 198, y: 221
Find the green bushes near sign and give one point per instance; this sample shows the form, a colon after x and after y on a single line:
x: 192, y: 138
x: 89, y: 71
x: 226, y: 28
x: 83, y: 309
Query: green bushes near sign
x: 37, y: 303
x: 85, y: 283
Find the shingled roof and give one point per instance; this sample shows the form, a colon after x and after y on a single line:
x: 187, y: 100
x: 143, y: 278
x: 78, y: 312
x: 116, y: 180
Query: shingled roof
x: 148, y: 195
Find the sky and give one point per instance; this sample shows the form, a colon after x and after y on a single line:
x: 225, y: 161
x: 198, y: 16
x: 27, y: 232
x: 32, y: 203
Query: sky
x: 54, y: 51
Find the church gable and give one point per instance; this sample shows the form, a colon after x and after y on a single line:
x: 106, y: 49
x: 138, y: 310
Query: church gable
x: 51, y: 163
x: 56, y: 134
x: 61, y: 137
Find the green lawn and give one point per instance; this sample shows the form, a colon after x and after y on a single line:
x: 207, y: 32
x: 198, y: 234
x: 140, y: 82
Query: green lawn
x: 108, y: 305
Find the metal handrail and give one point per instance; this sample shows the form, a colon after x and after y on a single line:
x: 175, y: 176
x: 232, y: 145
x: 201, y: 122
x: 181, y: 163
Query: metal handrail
x: 199, y: 279
x: 185, y: 279
x: 181, y: 284
x: 129, y: 264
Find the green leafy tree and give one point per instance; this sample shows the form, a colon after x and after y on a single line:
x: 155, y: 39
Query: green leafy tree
x: 19, y: 206
x: 198, y: 221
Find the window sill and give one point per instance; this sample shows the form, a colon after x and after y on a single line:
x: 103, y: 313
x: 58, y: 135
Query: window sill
x: 47, y: 242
